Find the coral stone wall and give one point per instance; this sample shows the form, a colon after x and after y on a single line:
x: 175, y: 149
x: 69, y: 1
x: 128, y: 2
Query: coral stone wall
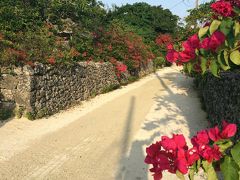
x: 46, y: 89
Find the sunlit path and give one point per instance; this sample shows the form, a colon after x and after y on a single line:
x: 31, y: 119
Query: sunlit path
x: 106, y: 137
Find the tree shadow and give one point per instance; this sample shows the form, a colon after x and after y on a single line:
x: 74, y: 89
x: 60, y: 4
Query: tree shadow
x: 177, y: 110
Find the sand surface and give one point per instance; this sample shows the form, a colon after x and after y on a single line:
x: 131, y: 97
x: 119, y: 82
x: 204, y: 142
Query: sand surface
x: 104, y: 138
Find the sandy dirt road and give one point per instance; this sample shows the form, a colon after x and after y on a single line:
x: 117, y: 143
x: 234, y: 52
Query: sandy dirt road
x: 104, y: 138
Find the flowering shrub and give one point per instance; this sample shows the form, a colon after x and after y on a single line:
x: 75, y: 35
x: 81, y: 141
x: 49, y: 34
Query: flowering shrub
x: 212, y: 150
x: 216, y: 47
x: 163, y: 39
x: 119, y: 43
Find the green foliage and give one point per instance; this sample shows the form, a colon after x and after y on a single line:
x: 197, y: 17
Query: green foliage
x: 198, y: 16
x: 30, y: 116
x: 148, y: 21
x: 159, y: 62
x: 110, y: 88
x: 209, y: 169
x: 229, y: 168
x: 20, y: 112
x: 235, y: 153
x: 60, y: 31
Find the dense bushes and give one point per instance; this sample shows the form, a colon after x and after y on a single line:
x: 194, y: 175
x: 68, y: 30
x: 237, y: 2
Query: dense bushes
x: 148, y: 21
x: 221, y: 97
x: 59, y: 31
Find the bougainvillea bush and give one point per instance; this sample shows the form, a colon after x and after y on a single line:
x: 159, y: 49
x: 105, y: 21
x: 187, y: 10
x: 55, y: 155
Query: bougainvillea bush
x: 216, y: 47
x: 212, y: 150
x: 118, y: 43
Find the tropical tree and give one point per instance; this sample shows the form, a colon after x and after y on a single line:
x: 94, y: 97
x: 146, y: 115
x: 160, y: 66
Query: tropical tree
x: 147, y: 20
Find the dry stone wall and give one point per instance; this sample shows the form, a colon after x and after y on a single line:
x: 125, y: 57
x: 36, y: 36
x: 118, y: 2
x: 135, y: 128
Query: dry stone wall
x: 46, y: 89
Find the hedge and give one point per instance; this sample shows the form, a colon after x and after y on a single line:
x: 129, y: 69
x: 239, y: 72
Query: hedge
x: 221, y: 97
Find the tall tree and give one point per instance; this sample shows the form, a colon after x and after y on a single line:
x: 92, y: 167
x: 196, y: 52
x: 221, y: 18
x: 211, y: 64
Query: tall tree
x: 148, y: 20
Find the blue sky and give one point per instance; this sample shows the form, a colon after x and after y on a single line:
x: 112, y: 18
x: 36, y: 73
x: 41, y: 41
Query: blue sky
x: 178, y: 7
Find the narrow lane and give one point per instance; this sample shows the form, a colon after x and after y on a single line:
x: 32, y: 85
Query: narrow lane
x: 108, y: 141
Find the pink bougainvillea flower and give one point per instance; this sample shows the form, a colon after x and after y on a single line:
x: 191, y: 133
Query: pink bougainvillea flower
x: 186, y: 56
x: 217, y: 39
x: 205, y: 43
x: 176, y: 142
x: 181, y: 162
x: 157, y: 176
x: 170, y: 47
x: 121, y: 68
x: 153, y: 149
x: 214, y: 134
x: 162, y: 160
x: 222, y: 8
x: 182, y: 165
x: 192, y: 156
x: 200, y: 139
x: 168, y: 143
x: 211, y: 154
x: 180, y: 141
x: 194, y: 41
x: 213, y: 42
x: 229, y: 130
x: 172, y: 56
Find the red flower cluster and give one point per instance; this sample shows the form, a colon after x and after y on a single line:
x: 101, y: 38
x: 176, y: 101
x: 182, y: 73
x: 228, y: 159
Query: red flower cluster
x: 122, y: 68
x: 51, y: 60
x: 163, y: 39
x: 213, y: 42
x: 235, y: 3
x: 172, y: 154
x: 192, y: 44
x: 222, y: 8
x: 187, y: 54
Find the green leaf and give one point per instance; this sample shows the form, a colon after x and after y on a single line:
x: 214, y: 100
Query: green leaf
x: 214, y: 26
x: 208, y: 168
x: 226, y: 56
x: 221, y: 61
x: 180, y: 175
x: 236, y: 28
x: 191, y: 174
x: 203, y: 31
x: 229, y: 169
x: 236, y: 10
x: 214, y: 68
x: 224, y: 144
x: 198, y: 164
x: 203, y: 52
x: 235, y: 57
x: 203, y: 65
x: 194, y: 168
x: 235, y: 151
x: 226, y: 26
x: 189, y: 67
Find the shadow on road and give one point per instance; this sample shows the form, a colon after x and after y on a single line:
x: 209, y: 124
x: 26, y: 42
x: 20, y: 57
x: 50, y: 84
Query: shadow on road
x: 176, y: 110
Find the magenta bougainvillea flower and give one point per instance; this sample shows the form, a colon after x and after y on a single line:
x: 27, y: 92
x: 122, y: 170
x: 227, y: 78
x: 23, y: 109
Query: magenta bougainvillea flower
x: 211, y: 153
x: 214, y: 134
x: 172, y: 153
x: 172, y: 55
x: 200, y: 139
x: 229, y: 130
x: 222, y: 8
x: 192, y: 156
x: 213, y: 42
